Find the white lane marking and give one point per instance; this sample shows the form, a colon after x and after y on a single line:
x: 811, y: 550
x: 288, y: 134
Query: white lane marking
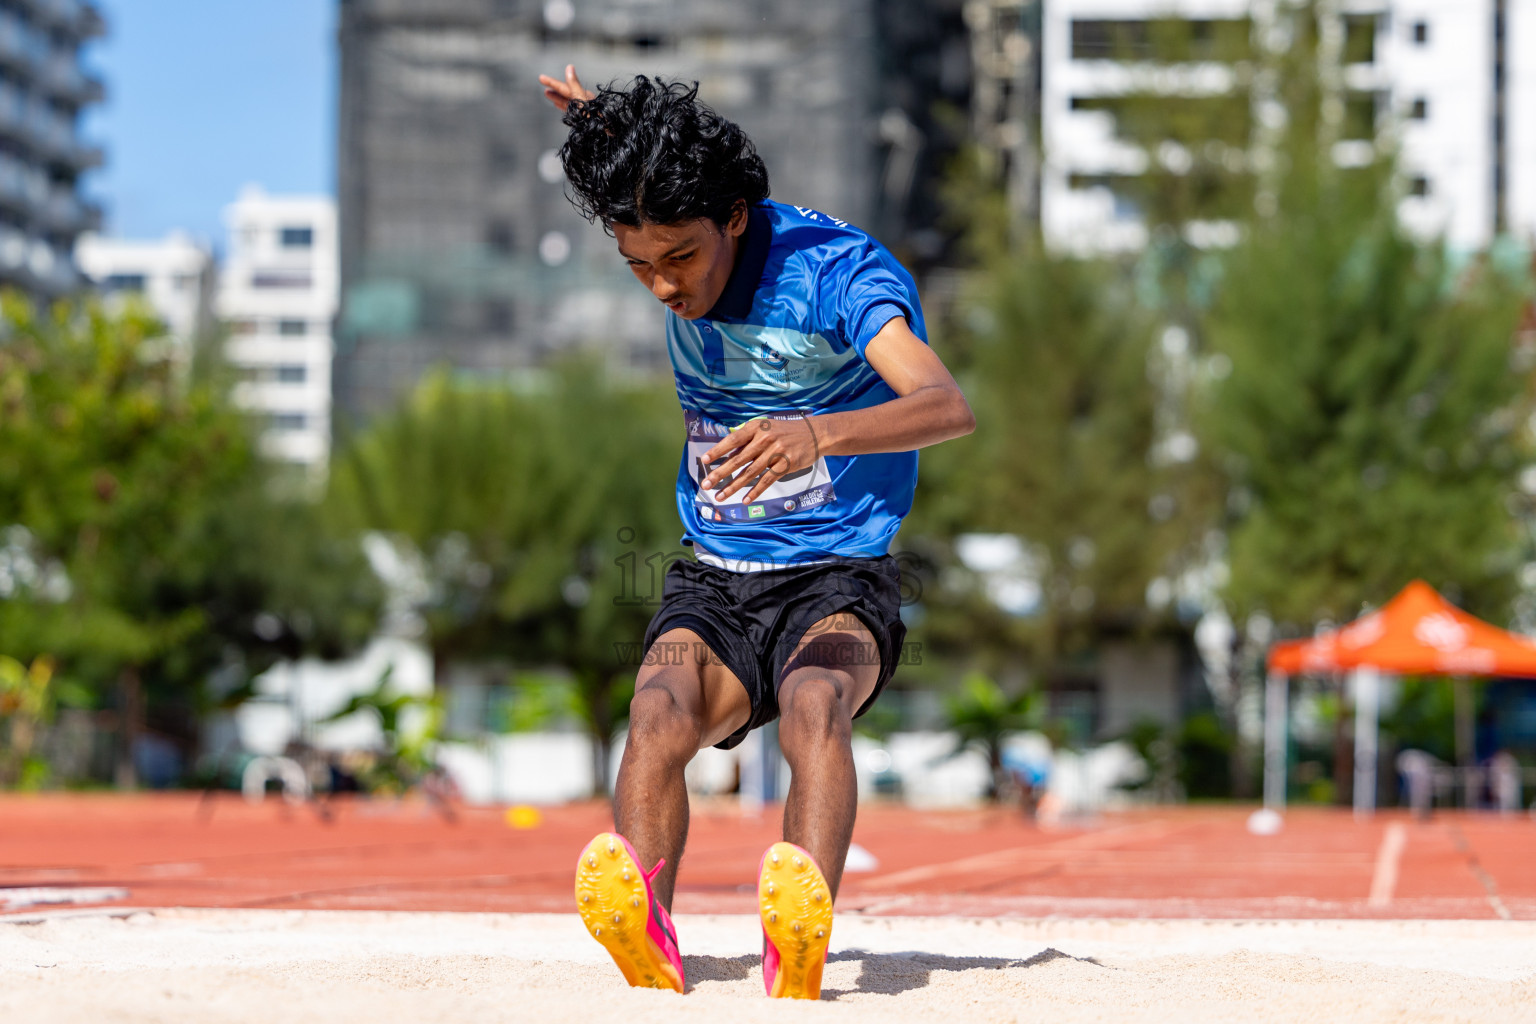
x: 859, y: 859
x: 1388, y: 858
x: 16, y: 898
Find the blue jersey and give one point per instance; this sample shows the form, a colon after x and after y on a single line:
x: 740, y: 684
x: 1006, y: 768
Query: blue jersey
x: 786, y: 338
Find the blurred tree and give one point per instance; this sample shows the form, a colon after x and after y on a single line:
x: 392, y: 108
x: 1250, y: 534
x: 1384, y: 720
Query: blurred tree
x: 1366, y: 402
x: 541, y: 518
x: 982, y: 717
x: 1193, y: 132
x: 407, y: 756
x: 1372, y: 415
x: 1055, y: 354
x: 1423, y: 717
x: 26, y: 703
x: 1204, y: 746
x: 145, y: 546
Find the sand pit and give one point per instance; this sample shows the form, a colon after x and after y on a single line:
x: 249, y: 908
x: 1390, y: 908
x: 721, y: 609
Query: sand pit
x: 344, y: 967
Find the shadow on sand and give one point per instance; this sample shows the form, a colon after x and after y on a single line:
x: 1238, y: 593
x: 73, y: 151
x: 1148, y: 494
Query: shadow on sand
x: 882, y: 973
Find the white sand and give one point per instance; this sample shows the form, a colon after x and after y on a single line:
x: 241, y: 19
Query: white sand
x: 293, y: 967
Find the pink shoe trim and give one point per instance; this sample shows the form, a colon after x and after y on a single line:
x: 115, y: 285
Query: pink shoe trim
x: 770, y: 951
x: 658, y: 926
x: 770, y: 963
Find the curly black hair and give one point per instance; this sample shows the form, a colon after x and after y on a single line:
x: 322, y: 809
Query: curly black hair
x: 651, y: 153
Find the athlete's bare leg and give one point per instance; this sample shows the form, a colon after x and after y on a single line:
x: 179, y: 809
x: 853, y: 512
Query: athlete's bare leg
x: 685, y: 700
x: 830, y: 676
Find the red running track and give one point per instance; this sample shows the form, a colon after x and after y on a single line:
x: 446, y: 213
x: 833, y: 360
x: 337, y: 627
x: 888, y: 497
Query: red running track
x: 171, y: 850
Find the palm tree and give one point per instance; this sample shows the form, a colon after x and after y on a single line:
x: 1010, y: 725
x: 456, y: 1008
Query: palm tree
x: 982, y: 716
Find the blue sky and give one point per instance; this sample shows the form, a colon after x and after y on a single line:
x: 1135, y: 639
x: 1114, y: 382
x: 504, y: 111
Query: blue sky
x: 204, y: 96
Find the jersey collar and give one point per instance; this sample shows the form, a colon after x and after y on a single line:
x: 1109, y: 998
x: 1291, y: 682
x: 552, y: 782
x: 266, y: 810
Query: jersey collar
x: 735, y: 302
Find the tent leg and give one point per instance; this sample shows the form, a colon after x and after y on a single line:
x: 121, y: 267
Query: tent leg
x: 1466, y: 757
x: 1367, y: 696
x: 1276, y: 698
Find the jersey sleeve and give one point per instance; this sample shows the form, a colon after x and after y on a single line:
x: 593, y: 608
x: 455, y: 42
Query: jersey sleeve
x: 860, y: 292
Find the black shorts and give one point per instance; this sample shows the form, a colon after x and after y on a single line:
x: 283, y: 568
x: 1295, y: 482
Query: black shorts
x: 753, y: 620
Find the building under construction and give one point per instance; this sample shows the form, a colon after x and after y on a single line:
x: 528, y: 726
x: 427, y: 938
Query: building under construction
x: 458, y: 247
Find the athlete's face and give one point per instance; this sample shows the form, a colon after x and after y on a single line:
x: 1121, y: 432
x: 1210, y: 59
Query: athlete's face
x: 684, y: 265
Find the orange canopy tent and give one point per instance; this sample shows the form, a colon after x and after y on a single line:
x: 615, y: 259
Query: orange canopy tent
x: 1417, y: 632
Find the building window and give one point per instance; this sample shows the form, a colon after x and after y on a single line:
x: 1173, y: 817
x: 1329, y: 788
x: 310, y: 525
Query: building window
x: 291, y: 375
x: 1359, y: 39
x: 1421, y: 32
x: 1418, y: 186
x: 297, y: 238
x: 124, y: 283
x: 498, y: 316
x: 280, y: 279
x: 1195, y: 39
x: 245, y: 325
x: 1420, y: 110
x: 289, y: 421
x: 1359, y: 115
x: 292, y: 328
x: 498, y: 237
x: 1109, y: 40
x: 500, y: 161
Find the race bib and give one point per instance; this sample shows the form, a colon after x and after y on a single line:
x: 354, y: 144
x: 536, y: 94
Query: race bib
x: 806, y: 488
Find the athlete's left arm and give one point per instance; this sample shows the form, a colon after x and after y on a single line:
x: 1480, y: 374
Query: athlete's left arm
x: 928, y: 408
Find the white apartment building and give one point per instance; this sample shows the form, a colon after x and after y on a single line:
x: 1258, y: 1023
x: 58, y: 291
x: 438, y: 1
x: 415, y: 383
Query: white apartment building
x: 172, y: 276
x: 1422, y: 71
x: 277, y: 296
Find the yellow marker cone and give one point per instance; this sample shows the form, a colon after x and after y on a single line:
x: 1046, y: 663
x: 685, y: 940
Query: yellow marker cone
x: 522, y: 817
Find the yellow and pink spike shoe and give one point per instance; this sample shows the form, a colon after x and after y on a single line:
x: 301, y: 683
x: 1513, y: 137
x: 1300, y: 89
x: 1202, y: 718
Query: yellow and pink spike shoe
x: 796, y: 906
x: 613, y: 897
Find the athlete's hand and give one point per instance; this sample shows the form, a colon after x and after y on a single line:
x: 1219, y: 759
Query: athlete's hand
x: 561, y: 93
x: 764, y: 450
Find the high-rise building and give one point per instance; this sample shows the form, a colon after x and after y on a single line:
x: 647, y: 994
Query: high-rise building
x: 174, y: 276
x: 277, y: 298
x: 458, y: 246
x: 1453, y: 82
x: 1516, y: 51
x: 43, y: 88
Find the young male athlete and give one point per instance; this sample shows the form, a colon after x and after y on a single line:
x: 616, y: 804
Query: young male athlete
x: 807, y: 387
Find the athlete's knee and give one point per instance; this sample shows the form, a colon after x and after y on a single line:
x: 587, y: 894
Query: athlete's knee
x: 659, y: 724
x: 811, y: 711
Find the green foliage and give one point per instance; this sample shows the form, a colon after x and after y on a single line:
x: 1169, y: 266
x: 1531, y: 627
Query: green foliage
x: 1373, y: 420
x: 982, y: 716
x: 1159, y: 752
x: 149, y: 540
x: 1196, y: 142
x: 407, y: 755
x: 104, y: 460
x: 533, y: 512
x: 538, y: 701
x: 879, y: 722
x: 27, y: 701
x: 1205, y: 757
x: 1372, y: 424
x: 1424, y: 717
x: 1055, y: 364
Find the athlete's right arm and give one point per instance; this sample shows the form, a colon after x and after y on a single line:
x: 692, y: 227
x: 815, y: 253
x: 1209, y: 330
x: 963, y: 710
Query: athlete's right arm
x: 561, y: 93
